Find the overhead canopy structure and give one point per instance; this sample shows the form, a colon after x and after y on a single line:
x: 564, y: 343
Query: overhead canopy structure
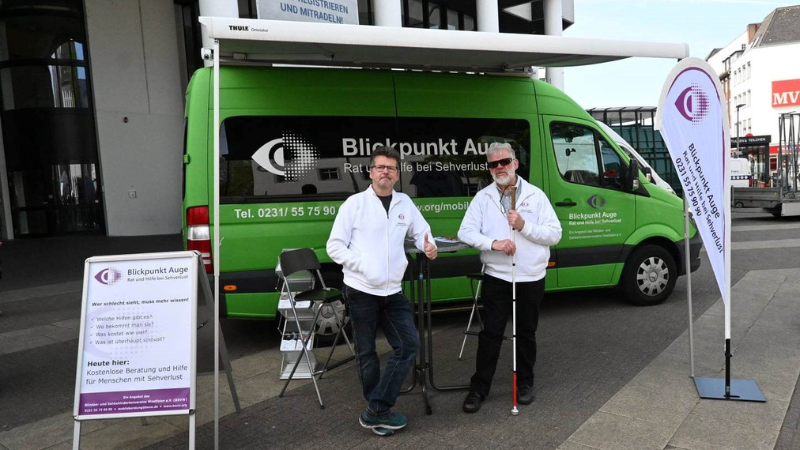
x: 322, y: 44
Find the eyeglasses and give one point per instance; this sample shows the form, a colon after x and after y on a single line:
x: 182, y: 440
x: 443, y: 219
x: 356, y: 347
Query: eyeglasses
x: 390, y: 169
x: 500, y: 162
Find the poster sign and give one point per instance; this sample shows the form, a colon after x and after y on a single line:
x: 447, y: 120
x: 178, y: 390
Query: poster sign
x: 328, y: 11
x: 136, y: 355
x: 785, y: 93
x: 696, y: 130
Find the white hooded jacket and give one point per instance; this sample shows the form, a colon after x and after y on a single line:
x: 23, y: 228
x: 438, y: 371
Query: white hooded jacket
x: 486, y: 222
x: 369, y: 243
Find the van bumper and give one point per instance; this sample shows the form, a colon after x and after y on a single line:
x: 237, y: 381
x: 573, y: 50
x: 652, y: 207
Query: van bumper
x: 695, y: 244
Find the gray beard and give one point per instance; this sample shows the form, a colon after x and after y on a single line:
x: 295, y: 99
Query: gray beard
x: 504, y: 180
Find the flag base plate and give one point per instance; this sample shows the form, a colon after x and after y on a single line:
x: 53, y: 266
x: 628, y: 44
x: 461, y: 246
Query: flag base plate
x: 741, y: 390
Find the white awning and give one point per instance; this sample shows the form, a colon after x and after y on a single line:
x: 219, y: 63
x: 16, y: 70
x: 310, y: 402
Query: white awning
x: 321, y: 44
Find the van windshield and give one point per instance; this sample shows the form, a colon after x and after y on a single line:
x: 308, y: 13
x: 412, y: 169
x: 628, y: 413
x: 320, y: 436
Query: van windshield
x: 273, y: 159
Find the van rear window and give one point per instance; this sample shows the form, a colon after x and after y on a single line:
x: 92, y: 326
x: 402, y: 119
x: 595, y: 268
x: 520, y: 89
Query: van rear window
x: 274, y: 159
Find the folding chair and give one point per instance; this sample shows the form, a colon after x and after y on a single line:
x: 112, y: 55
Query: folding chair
x: 304, y: 259
x: 476, y: 292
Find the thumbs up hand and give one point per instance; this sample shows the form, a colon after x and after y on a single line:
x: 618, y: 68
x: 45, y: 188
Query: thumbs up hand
x: 430, y: 250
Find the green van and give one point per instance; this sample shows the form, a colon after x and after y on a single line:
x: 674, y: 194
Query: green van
x: 295, y: 143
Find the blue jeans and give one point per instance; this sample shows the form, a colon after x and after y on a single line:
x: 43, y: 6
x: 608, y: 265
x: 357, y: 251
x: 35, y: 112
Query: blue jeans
x: 394, y: 315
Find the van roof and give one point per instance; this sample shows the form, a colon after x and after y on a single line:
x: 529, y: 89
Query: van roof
x: 274, y: 41
x: 261, y: 83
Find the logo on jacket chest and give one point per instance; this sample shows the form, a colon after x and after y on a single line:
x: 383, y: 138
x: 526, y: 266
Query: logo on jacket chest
x: 401, y: 220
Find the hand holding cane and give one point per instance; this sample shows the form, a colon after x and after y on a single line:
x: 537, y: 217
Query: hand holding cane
x: 514, y: 410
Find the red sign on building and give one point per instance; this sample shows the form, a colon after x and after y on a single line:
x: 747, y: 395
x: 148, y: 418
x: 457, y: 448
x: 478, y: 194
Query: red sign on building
x: 785, y: 93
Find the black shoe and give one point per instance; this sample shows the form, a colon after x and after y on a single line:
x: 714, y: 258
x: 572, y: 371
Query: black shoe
x: 473, y: 402
x: 525, y: 395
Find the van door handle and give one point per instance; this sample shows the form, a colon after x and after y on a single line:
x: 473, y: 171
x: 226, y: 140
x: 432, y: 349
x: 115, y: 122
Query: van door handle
x: 566, y: 203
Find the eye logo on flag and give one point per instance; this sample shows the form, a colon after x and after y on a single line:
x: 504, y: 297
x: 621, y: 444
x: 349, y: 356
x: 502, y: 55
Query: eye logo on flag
x: 693, y: 104
x: 291, y: 156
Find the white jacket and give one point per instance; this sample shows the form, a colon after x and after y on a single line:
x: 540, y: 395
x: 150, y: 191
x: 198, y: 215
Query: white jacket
x: 369, y: 245
x: 485, y: 223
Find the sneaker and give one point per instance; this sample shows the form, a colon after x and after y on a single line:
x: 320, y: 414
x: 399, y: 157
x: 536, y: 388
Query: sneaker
x: 380, y: 431
x: 391, y: 421
x: 525, y: 395
x: 473, y: 402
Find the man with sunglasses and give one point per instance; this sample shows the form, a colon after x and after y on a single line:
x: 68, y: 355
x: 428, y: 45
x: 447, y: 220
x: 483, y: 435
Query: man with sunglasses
x: 501, y: 231
x: 368, y: 239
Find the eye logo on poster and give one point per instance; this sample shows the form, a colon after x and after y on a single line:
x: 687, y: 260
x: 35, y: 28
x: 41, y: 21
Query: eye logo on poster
x: 108, y: 276
x: 291, y: 156
x: 693, y: 104
x: 596, y: 201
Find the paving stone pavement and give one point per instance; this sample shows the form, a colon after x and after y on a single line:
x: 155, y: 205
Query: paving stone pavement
x: 658, y: 408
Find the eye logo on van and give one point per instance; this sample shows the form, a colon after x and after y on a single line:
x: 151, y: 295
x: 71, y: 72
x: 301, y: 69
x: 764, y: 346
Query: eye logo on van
x: 291, y: 156
x: 596, y: 201
x: 693, y: 104
x: 108, y: 276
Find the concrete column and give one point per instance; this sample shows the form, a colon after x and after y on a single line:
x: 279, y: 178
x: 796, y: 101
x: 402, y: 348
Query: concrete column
x: 488, y: 16
x: 553, y: 14
x: 388, y: 13
x: 216, y: 8
x: 6, y: 226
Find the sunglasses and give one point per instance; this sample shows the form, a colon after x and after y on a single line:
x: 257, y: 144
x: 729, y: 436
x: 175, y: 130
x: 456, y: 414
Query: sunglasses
x: 500, y: 162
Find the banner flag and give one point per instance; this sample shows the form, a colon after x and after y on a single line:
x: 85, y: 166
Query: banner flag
x: 694, y: 123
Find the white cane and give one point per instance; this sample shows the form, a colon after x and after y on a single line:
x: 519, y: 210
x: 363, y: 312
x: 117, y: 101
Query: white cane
x: 514, y: 410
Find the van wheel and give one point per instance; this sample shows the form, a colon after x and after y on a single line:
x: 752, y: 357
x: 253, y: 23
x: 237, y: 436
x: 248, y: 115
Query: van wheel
x: 649, y: 276
x: 327, y: 326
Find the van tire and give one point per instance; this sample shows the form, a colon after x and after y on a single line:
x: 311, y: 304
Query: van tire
x: 649, y: 276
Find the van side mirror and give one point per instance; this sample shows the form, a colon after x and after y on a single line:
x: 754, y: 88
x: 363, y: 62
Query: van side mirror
x: 632, y: 183
x: 648, y: 173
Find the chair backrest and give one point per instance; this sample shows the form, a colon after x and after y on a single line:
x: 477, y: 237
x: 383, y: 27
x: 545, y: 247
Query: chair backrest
x: 296, y: 260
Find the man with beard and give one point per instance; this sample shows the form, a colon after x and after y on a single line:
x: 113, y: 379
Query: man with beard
x: 502, y: 232
x: 367, y: 239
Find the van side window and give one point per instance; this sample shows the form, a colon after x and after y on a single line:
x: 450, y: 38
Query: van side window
x: 614, y: 168
x: 574, y: 147
x: 584, y: 157
x: 327, y: 158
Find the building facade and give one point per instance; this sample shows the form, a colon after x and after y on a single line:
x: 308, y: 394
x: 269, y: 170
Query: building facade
x: 760, y: 75
x: 92, y: 100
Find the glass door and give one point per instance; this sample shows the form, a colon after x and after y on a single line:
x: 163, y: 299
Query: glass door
x: 48, y: 120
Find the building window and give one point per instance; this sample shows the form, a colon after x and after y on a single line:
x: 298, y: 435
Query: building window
x: 748, y: 70
x: 426, y: 14
x: 329, y: 174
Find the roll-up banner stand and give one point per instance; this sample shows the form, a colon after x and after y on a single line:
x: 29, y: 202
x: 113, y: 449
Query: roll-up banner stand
x: 138, y: 337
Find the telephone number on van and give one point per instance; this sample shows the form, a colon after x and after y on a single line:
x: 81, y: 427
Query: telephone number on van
x: 294, y: 211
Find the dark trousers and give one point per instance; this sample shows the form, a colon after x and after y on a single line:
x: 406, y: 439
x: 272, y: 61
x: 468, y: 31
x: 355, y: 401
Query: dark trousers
x: 393, y: 314
x: 496, y: 296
